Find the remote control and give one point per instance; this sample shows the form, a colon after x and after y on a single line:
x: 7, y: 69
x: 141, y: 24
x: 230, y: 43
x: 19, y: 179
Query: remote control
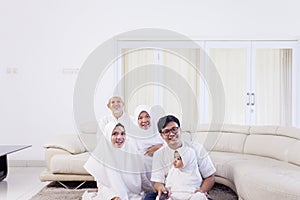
x: 163, y: 196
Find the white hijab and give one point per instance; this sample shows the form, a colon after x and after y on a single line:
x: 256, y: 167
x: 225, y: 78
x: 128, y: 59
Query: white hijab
x: 138, y: 111
x: 187, y: 178
x: 188, y: 158
x: 116, y: 168
x: 149, y: 137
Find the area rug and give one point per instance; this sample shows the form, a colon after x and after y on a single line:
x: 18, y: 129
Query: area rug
x: 55, y: 191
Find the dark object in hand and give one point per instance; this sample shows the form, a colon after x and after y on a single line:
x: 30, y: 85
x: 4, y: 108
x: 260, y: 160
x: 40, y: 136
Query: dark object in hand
x: 163, y: 196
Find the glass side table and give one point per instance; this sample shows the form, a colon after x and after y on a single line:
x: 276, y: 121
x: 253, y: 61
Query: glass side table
x: 4, y: 151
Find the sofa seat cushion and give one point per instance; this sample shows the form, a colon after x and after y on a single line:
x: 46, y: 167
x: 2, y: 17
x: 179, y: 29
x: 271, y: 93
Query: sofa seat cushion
x: 257, y: 177
x: 265, y: 178
x: 225, y: 162
x: 50, y: 152
x: 69, y: 164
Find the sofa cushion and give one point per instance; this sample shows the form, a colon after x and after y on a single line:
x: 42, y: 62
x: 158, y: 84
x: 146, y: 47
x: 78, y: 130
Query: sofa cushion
x: 265, y: 178
x: 264, y: 130
x: 69, y: 164
x: 225, y: 161
x: 289, y: 132
x: 221, y: 160
x: 223, y: 128
x: 220, y: 141
x: 67, y: 142
x: 268, y: 146
x: 50, y: 152
x: 293, y: 153
x: 230, y: 142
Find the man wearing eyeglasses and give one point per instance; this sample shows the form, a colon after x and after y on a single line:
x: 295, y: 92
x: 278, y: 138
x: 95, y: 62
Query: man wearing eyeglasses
x: 169, y: 128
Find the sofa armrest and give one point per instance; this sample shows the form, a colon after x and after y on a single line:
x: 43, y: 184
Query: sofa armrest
x: 50, y: 152
x: 68, y: 142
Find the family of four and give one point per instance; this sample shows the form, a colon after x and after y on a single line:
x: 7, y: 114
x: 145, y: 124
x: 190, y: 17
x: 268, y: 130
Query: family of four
x: 145, y: 158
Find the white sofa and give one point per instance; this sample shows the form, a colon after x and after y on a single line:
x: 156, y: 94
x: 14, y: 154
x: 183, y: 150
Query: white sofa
x: 66, y: 154
x: 257, y: 162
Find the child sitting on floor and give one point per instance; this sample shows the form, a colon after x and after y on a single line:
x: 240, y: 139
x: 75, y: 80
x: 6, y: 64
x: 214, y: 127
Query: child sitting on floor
x: 184, y: 177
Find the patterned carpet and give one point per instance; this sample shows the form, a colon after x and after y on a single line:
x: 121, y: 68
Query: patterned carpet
x: 55, y: 191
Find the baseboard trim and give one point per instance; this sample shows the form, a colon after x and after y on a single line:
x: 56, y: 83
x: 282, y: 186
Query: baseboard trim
x: 26, y: 163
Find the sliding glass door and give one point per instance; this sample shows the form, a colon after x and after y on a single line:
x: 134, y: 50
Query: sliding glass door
x: 258, y: 79
x: 232, y: 66
x: 173, y: 82
x: 272, y: 96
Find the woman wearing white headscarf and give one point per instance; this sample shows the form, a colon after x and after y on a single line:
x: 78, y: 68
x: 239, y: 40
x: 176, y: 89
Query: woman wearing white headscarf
x: 116, y: 166
x: 147, y: 137
x: 184, y: 177
x: 149, y: 140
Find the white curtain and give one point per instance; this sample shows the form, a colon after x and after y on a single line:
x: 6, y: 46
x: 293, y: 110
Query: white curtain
x: 273, y: 87
x: 232, y: 65
x: 184, y: 63
x: 272, y: 78
x: 286, y: 86
x: 141, y: 94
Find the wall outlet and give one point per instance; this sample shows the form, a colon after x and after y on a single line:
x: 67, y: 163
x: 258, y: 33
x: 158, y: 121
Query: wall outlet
x: 12, y: 70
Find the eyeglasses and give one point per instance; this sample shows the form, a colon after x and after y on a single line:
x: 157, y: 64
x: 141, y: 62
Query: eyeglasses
x: 166, y: 132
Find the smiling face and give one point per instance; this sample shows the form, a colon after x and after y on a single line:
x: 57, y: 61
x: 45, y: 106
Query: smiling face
x: 144, y: 120
x: 171, y: 134
x: 177, y: 163
x: 116, y: 106
x: 118, y: 137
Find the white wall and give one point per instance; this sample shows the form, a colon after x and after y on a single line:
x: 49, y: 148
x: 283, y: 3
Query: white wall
x: 38, y: 39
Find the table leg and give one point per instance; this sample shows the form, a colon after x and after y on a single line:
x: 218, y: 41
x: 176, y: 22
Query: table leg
x: 3, y: 167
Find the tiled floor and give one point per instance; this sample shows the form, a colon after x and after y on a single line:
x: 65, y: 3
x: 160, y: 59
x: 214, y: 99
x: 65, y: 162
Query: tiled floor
x: 21, y: 183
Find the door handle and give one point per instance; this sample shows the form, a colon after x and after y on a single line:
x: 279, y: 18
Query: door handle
x: 248, y: 99
x: 252, y: 99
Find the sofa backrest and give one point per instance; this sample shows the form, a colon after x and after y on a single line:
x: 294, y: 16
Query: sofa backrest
x: 228, y: 138
x: 281, y: 143
x: 294, y: 149
x: 88, y: 135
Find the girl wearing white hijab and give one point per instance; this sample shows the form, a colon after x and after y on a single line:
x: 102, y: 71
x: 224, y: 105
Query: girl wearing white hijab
x: 116, y: 166
x: 184, y: 178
